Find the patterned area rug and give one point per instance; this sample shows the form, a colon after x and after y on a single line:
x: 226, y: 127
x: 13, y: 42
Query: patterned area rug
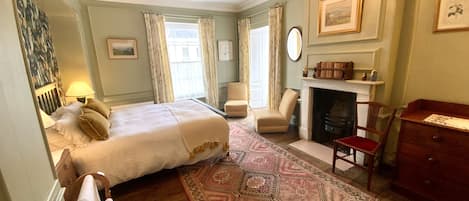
x: 260, y: 170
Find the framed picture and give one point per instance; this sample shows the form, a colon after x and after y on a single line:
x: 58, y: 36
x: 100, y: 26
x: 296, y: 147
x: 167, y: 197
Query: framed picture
x: 119, y: 48
x: 451, y: 15
x: 225, y: 50
x: 339, y: 16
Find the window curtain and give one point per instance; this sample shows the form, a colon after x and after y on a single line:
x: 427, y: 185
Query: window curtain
x: 244, y: 27
x: 159, y: 60
x: 207, y: 44
x: 275, y: 36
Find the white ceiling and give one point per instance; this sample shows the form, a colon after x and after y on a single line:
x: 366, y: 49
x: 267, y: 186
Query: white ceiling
x: 215, y: 5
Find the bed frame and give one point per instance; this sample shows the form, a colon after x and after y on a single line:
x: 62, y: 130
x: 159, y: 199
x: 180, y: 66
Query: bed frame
x: 219, y: 112
x: 48, y: 98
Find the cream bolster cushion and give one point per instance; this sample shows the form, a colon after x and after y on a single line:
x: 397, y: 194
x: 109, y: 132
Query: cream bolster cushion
x: 94, y: 124
x: 98, y: 106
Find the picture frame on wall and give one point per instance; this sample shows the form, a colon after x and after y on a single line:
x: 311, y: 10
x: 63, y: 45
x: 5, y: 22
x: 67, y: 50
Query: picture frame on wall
x: 225, y: 50
x: 451, y: 15
x: 122, y: 48
x: 339, y: 16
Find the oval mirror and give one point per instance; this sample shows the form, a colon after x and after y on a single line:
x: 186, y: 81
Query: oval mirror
x: 294, y: 44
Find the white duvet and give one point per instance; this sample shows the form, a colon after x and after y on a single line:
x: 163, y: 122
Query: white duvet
x: 147, y: 138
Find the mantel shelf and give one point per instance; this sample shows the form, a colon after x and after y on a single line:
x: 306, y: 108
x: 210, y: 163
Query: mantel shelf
x: 371, y: 83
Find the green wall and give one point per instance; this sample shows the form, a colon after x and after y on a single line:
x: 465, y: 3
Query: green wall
x: 125, y: 81
x: 25, y: 164
x: 375, y: 47
x: 294, y: 16
x: 69, y: 50
x: 432, y: 65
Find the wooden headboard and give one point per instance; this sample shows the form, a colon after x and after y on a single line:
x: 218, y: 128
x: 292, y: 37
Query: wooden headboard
x: 48, y: 98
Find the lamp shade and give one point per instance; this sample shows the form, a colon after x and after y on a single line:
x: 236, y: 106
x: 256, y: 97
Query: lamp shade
x: 79, y: 89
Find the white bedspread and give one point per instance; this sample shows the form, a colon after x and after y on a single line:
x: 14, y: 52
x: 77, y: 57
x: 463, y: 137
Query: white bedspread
x: 147, y: 138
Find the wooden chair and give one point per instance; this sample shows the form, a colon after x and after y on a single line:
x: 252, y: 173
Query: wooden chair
x: 365, y: 145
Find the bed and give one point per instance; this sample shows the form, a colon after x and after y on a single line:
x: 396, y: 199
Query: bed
x: 144, y: 138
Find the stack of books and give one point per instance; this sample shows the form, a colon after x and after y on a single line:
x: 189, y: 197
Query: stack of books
x: 334, y: 70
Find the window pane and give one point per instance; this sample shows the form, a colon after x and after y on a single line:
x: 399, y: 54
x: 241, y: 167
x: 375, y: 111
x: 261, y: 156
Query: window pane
x: 259, y: 67
x: 185, y: 61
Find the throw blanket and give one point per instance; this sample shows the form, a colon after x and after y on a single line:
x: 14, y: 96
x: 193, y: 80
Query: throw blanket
x: 147, y: 138
x: 192, y: 122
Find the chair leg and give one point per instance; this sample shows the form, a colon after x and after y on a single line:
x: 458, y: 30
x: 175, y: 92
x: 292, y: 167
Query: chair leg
x: 371, y: 164
x: 354, y: 155
x: 334, y: 158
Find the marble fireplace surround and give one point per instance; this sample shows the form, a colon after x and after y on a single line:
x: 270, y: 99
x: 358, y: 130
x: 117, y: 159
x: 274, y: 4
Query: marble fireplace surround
x: 365, y: 91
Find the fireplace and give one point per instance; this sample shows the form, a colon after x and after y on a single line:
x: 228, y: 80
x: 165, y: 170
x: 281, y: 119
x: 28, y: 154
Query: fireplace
x: 360, y: 90
x: 333, y: 115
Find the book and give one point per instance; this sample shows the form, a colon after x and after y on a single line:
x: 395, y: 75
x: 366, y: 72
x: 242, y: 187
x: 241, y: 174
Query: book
x: 330, y: 70
x: 323, y: 73
x: 317, y: 70
x: 339, y: 68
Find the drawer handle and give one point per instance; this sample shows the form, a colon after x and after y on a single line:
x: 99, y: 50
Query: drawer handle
x: 436, y: 138
x: 430, y: 159
x: 427, y: 182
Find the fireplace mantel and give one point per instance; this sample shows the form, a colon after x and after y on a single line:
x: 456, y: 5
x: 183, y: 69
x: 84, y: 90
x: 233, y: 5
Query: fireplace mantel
x: 365, y: 91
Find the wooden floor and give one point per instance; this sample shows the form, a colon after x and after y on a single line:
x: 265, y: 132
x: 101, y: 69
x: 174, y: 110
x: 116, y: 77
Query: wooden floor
x: 165, y: 185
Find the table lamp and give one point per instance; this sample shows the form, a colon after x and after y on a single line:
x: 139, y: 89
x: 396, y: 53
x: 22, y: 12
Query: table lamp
x: 79, y: 90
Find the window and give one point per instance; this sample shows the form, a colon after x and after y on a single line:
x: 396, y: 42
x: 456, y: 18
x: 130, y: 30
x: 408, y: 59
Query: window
x: 185, y: 60
x: 259, y: 67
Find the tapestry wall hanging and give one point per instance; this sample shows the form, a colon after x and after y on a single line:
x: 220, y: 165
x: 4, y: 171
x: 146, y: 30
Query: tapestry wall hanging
x: 37, y: 44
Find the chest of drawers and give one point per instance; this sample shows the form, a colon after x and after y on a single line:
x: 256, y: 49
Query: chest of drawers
x: 432, y: 159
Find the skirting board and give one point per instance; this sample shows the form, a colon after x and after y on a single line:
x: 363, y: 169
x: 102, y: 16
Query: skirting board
x: 56, y: 193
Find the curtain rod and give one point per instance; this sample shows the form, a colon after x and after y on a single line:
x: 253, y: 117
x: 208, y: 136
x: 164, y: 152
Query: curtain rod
x: 180, y: 16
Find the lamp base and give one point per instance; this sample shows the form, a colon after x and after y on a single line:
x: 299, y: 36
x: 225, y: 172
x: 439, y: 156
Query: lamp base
x: 81, y: 99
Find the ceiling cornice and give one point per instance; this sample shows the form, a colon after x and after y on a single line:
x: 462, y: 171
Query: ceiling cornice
x: 198, y: 5
x: 250, y: 4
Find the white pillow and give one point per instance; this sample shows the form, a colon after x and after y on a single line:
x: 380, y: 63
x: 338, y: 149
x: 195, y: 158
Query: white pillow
x: 47, y: 121
x: 68, y: 126
x: 74, y: 108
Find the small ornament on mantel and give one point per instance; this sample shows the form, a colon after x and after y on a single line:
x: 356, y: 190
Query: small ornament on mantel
x: 364, y: 76
x: 374, y: 75
x: 305, y: 71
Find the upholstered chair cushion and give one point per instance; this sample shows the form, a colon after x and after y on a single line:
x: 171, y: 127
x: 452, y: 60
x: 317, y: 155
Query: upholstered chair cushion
x: 277, y: 121
x: 236, y: 108
x: 94, y: 124
x: 237, y: 91
x: 237, y: 100
x: 270, y: 121
x: 288, y: 103
x: 98, y: 106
